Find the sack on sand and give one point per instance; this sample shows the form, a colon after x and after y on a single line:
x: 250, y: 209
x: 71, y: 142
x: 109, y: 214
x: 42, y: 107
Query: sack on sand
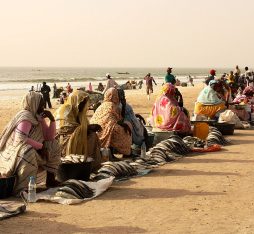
x: 229, y: 116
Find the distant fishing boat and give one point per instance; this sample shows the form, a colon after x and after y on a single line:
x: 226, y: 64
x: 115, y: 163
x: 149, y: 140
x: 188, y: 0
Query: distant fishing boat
x: 123, y: 73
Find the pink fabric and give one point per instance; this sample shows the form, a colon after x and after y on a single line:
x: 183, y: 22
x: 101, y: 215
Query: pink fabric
x: 166, y: 113
x: 90, y: 87
x: 49, y: 132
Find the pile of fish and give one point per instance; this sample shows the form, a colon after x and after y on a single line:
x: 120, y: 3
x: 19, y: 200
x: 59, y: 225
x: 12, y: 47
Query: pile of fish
x: 116, y: 169
x: 74, y: 189
x: 73, y: 158
x: 165, y: 151
x: 168, y: 150
x: 194, y: 142
x: 215, y: 137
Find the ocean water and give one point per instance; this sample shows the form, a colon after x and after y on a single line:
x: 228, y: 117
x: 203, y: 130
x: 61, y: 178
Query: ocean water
x: 22, y: 78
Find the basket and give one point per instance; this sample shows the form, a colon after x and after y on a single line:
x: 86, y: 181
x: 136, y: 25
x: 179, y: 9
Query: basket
x: 225, y: 128
x: 78, y: 171
x: 6, y: 186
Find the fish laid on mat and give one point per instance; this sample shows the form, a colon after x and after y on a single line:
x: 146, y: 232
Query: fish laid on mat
x: 117, y: 169
x: 215, y: 137
x: 74, y: 189
x: 194, y: 142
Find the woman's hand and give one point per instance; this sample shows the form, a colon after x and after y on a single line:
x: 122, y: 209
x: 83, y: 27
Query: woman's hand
x: 47, y: 114
x: 43, y: 152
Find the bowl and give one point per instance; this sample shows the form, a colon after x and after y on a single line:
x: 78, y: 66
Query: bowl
x: 225, y: 128
x: 6, y: 186
x: 161, y: 136
x: 78, y: 171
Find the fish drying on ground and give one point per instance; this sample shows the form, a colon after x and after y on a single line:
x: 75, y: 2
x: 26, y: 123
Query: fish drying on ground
x: 215, y: 137
x: 194, y: 142
x: 74, y: 188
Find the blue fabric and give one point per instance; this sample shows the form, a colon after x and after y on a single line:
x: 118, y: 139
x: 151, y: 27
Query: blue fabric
x: 208, y: 96
x: 137, y: 126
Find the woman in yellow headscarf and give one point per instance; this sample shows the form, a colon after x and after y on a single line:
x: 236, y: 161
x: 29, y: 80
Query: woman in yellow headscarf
x: 75, y: 134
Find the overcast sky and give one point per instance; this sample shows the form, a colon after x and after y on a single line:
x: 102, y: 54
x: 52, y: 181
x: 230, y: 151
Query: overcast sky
x: 127, y: 33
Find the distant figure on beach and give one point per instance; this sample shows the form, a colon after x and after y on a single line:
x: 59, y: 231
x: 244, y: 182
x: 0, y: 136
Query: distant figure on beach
x: 149, y: 84
x: 210, y: 77
x: 178, y: 82
x: 110, y: 83
x: 54, y: 91
x: 246, y: 71
x: 63, y: 97
x: 68, y: 88
x: 237, y: 70
x: 140, y: 83
x: 169, y: 78
x: 45, y: 90
x: 190, y: 80
x: 32, y: 88
x: 90, y: 87
x: 230, y: 77
x: 100, y: 87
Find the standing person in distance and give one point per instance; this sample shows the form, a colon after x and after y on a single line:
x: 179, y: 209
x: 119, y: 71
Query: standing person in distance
x: 169, y: 78
x: 149, y: 84
x: 54, y: 91
x: 210, y: 77
x: 45, y: 90
x: 110, y: 83
x: 237, y: 70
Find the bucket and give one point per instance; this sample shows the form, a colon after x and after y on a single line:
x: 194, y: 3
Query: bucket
x: 201, y: 130
x: 6, y: 186
x: 225, y: 128
x: 78, y: 171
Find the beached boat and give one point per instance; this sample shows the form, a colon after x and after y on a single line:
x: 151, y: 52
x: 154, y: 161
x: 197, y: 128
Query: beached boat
x: 123, y: 73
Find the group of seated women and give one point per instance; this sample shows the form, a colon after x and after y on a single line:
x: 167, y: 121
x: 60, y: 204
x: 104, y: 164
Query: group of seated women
x: 29, y: 144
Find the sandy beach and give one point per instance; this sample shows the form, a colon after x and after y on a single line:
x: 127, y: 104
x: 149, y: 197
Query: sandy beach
x: 208, y: 193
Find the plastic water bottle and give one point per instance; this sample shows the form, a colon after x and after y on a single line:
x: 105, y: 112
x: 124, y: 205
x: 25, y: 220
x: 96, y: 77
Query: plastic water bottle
x: 32, y: 190
x: 143, y: 149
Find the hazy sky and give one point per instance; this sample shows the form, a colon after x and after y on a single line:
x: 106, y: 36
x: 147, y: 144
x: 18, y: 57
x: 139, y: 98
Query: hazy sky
x: 127, y: 33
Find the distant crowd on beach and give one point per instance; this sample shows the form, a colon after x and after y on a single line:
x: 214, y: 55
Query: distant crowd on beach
x: 29, y: 144
x: 233, y: 78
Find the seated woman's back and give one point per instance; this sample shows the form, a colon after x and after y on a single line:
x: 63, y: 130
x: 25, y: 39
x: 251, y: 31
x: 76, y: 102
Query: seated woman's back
x: 167, y: 114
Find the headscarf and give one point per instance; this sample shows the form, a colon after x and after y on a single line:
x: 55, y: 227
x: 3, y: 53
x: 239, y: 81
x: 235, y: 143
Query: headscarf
x: 107, y: 115
x: 69, y: 116
x: 212, y: 72
x: 166, y: 113
x: 208, y: 95
x: 29, y: 106
x: 168, y: 90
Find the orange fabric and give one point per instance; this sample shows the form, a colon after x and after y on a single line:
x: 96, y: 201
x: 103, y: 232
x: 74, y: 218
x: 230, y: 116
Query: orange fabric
x: 211, y: 148
x: 208, y: 110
